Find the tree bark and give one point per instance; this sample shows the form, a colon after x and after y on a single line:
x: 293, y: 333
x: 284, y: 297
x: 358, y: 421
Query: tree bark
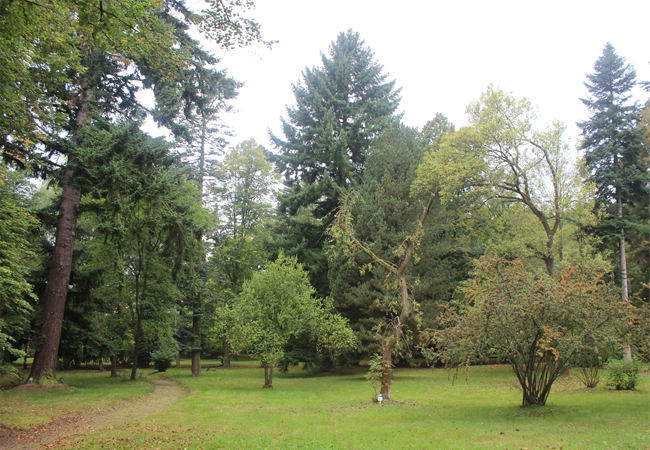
x: 178, y: 354
x: 387, y: 363
x: 57, y: 282
x: 97, y: 328
x: 136, y: 350
x: 196, y: 353
x: 226, y: 353
x: 113, y: 366
x: 58, y: 277
x: 268, y: 377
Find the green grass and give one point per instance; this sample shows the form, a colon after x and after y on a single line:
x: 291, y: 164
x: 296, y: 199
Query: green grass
x: 227, y: 408
x: 22, y: 409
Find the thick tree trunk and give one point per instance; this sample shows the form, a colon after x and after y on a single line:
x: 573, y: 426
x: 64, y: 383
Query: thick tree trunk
x: 97, y: 328
x: 196, y: 353
x: 226, y: 353
x: 56, y: 290
x: 58, y: 277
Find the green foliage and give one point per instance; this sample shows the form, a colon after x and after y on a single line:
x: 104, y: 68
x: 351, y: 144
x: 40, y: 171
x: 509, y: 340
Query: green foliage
x: 16, y: 260
x: 502, y: 158
x: 622, y: 375
x: 375, y: 371
x: 540, y: 326
x: 616, y: 158
x: 277, y: 304
x: 162, y: 357
x: 341, y: 107
x: 384, y: 216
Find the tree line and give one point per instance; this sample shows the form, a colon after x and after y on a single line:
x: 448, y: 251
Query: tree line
x: 456, y: 245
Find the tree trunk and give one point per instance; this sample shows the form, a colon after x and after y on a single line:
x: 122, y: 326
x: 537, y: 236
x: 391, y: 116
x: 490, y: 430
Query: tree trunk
x: 178, y: 354
x: 268, y: 377
x: 627, y: 351
x: 136, y: 350
x: 101, y: 356
x: 196, y: 353
x: 624, y: 286
x: 113, y: 366
x: 387, y: 374
x: 58, y: 277
x: 56, y: 290
x: 226, y: 353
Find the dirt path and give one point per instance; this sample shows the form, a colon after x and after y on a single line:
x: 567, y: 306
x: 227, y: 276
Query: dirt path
x: 55, y: 436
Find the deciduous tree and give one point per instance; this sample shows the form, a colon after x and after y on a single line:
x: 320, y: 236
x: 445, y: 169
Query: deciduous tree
x: 539, y: 325
x: 502, y: 157
x: 278, y: 303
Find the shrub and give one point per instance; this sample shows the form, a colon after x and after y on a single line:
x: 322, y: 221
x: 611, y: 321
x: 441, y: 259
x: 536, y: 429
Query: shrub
x: 623, y: 375
x: 163, y: 357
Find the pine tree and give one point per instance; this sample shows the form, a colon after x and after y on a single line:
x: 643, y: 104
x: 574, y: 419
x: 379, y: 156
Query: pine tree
x: 615, y: 154
x: 340, y: 108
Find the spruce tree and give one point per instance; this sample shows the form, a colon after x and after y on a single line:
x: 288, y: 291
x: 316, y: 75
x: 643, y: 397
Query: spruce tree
x: 340, y: 107
x: 615, y: 154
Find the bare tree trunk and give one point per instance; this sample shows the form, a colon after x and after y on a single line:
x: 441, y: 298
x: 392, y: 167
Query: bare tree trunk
x: 113, y: 366
x: 226, y: 353
x: 387, y: 363
x: 178, y: 354
x: 136, y: 350
x: 196, y: 353
x: 57, y: 282
x: 627, y: 351
x: 268, y: 377
x: 97, y: 328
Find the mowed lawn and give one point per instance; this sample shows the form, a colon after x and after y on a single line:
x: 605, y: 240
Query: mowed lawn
x: 226, y: 408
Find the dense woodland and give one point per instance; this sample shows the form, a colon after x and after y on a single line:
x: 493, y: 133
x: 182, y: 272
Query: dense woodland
x: 354, y: 238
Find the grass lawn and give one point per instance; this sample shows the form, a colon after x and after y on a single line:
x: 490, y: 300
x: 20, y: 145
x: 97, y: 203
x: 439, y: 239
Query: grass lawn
x: 226, y: 408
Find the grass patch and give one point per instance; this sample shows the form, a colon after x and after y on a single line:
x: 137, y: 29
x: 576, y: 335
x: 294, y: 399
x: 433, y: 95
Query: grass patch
x: 29, y: 406
x: 226, y: 408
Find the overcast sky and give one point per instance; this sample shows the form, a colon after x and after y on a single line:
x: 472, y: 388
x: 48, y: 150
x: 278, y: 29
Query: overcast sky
x: 443, y: 54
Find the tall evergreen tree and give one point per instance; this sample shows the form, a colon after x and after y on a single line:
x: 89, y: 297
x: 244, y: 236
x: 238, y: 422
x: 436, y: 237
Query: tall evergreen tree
x: 615, y: 153
x: 340, y: 108
x: 98, y: 60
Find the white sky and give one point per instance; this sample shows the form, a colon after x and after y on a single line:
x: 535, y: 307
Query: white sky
x: 443, y: 54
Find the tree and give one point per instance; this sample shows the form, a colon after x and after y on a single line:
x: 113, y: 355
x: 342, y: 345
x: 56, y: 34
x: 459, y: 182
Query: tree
x: 616, y: 155
x: 147, y: 210
x: 341, y: 107
x: 384, y: 215
x: 278, y: 303
x: 107, y: 42
x: 395, y: 260
x: 16, y: 251
x: 243, y: 188
x: 501, y: 157
x: 539, y: 325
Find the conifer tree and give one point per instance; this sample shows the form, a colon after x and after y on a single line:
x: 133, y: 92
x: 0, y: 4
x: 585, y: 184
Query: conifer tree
x: 340, y: 108
x: 615, y: 153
